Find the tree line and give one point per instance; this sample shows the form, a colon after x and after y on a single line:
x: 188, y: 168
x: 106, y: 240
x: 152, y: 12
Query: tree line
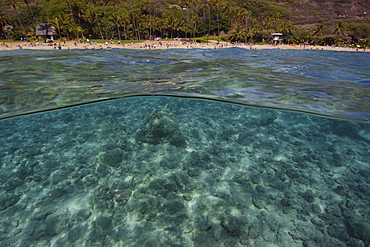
x: 235, y: 20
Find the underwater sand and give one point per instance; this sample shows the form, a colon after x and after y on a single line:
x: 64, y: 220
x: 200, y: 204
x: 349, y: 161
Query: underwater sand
x: 245, y: 177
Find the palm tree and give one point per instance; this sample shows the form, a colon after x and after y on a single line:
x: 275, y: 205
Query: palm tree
x: 57, y: 23
x: 192, y: 17
x: 302, y: 37
x: 217, y: 4
x: 153, y: 8
x: 134, y: 18
x: 286, y: 29
x: 126, y: 23
x: 3, y: 22
x: 91, y: 3
x: 247, y: 13
x: 226, y: 14
x: 169, y: 20
x: 27, y: 2
x: 339, y: 29
x: 319, y: 29
x: 61, y: 23
x: 241, y: 18
x: 159, y: 26
x: 238, y: 16
x: 268, y: 22
x: 238, y: 34
x: 15, y: 4
x: 72, y: 29
x: 174, y: 20
x: 250, y: 33
x: 278, y: 18
x: 340, y: 32
x: 75, y: 30
x: 117, y: 20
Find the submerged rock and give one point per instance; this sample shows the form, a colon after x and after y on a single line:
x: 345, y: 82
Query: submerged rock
x: 111, y: 155
x: 160, y: 127
x: 7, y: 200
x: 234, y: 225
x: 359, y: 228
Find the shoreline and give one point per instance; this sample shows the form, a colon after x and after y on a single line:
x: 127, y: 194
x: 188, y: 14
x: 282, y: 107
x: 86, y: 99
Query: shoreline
x: 162, y: 45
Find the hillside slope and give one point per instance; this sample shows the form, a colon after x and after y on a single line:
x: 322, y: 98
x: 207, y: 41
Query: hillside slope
x: 306, y: 12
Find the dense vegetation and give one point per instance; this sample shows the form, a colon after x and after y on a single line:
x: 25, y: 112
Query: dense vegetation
x: 234, y: 20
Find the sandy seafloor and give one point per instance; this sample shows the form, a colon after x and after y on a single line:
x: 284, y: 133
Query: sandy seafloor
x: 244, y: 176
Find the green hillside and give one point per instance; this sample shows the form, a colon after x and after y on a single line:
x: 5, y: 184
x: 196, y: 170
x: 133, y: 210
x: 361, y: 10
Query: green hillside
x: 317, y: 21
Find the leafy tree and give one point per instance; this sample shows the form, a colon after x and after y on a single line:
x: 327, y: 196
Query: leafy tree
x: 302, y: 37
x: 364, y: 43
x: 360, y: 30
x: 329, y: 40
x: 255, y: 20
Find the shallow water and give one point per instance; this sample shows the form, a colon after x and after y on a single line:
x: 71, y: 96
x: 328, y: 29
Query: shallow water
x: 88, y: 176
x: 175, y: 171
x: 322, y: 82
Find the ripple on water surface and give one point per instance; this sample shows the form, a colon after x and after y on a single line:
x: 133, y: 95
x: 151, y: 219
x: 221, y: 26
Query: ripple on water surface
x: 72, y: 77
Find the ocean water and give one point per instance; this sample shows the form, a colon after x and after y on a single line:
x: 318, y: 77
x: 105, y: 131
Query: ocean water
x: 185, y: 171
x: 327, y: 83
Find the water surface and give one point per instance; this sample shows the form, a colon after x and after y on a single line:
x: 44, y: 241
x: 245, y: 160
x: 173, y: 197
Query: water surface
x: 322, y: 82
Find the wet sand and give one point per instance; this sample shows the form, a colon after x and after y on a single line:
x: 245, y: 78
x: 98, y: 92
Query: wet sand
x: 160, y: 45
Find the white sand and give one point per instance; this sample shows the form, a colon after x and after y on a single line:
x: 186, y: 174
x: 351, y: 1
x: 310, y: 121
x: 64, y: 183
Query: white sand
x: 161, y: 45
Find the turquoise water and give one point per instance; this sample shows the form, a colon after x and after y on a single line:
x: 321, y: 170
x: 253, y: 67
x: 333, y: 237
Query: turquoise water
x: 175, y: 171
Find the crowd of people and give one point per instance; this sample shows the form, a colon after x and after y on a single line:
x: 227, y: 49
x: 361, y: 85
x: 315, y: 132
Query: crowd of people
x: 153, y: 43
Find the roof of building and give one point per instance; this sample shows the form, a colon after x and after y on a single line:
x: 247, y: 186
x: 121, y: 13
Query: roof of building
x: 45, y: 29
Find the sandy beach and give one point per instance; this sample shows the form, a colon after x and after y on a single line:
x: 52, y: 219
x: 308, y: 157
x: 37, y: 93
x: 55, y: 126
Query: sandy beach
x: 178, y: 44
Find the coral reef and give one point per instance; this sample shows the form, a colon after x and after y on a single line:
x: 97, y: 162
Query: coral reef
x: 160, y: 126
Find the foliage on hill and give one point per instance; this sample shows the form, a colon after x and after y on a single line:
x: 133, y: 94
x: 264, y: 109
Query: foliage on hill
x: 300, y: 21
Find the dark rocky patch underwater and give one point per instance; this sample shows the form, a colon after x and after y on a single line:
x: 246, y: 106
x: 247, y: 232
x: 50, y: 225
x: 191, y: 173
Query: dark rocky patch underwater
x: 156, y: 171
